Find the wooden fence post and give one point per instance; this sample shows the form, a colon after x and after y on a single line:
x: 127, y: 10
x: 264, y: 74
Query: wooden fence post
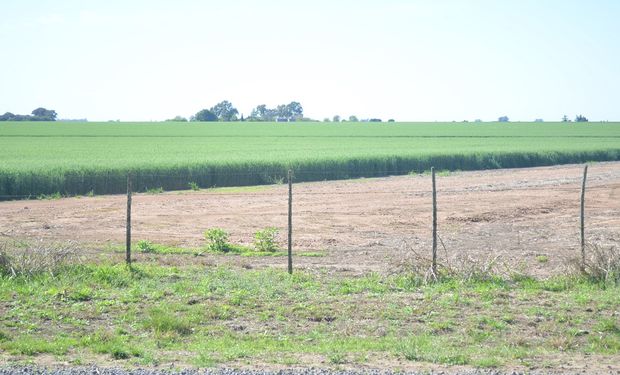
x: 434, y: 266
x: 128, y: 239
x: 290, y: 222
x: 582, y: 217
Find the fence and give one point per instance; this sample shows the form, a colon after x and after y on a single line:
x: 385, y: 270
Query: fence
x: 361, y: 224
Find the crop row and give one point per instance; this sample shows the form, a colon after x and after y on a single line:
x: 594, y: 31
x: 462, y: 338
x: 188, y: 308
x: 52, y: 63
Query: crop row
x: 81, y: 181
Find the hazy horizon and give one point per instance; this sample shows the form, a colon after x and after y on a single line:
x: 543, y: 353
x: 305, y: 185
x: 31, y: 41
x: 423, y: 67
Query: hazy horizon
x: 414, y: 61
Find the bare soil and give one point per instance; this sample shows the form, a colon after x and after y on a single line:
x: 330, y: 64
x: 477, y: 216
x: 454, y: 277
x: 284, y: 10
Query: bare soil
x: 527, y: 217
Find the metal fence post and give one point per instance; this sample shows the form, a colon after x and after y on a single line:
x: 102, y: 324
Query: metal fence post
x: 434, y: 266
x: 128, y: 239
x: 582, y: 217
x: 290, y: 222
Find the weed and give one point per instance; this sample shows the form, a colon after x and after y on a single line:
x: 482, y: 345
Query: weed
x: 4, y: 336
x: 193, y: 186
x: 162, y: 321
x: 265, y: 240
x: 53, y: 196
x: 158, y: 190
x: 542, y: 258
x: 218, y: 240
x: 146, y: 246
x: 31, y: 258
x: 337, y: 358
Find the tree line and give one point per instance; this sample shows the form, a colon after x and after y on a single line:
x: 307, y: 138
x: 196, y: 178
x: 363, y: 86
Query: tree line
x: 293, y: 111
x: 39, y: 114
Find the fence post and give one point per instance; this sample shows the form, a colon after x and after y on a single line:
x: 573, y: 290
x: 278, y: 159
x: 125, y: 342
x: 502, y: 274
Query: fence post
x: 434, y: 266
x: 290, y: 222
x: 128, y: 239
x: 582, y: 217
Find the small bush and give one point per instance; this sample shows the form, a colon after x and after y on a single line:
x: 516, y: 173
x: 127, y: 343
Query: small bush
x: 265, y: 240
x: 218, y: 240
x: 146, y: 246
x: 194, y: 186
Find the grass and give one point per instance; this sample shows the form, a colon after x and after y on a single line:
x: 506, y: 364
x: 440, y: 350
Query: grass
x: 96, y: 157
x: 190, y: 315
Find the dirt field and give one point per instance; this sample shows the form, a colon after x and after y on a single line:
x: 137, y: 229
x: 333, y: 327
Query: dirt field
x: 528, y: 217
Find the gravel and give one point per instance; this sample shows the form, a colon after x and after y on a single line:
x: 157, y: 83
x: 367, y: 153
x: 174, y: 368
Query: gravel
x: 310, y: 371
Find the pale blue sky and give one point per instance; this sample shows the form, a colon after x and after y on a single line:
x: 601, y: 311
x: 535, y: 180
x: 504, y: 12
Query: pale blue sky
x: 418, y: 60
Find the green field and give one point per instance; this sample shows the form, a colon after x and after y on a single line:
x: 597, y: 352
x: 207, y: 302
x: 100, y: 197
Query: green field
x: 78, y: 158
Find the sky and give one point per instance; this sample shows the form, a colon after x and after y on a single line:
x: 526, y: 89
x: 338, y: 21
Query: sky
x: 411, y: 60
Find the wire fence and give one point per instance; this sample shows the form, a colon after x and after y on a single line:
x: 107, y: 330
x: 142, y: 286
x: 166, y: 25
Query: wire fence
x: 357, y: 223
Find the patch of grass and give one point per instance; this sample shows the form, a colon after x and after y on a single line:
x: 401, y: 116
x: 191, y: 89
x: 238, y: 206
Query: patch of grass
x: 4, y: 336
x: 52, y: 196
x: 162, y: 321
x: 193, y: 186
x: 542, y: 258
x: 157, y: 190
x: 30, y: 345
x: 210, y: 316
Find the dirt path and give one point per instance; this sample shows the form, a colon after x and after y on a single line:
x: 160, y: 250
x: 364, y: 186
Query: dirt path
x: 529, y: 217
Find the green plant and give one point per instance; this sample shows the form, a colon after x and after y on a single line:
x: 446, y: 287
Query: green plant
x: 160, y: 321
x: 193, y: 186
x: 158, y: 190
x: 542, y: 258
x: 265, y: 240
x: 218, y: 240
x: 146, y: 246
x: 245, y: 158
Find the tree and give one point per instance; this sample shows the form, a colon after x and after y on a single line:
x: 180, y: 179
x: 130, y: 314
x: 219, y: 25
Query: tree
x: 295, y: 111
x: 204, y: 115
x: 177, y: 119
x: 225, y: 111
x: 336, y: 118
x: 565, y: 119
x: 392, y: 120
x: 8, y: 116
x: 353, y: 118
x: 581, y: 118
x: 503, y: 119
x: 42, y: 114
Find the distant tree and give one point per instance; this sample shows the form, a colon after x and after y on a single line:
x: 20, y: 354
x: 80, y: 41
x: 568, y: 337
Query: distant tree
x: 503, y: 119
x: 295, y: 111
x: 336, y: 118
x: 374, y: 120
x: 477, y: 120
x: 204, y: 115
x: 581, y: 118
x: 565, y: 119
x: 42, y: 114
x: 326, y: 119
x: 8, y: 116
x: 392, y: 120
x: 225, y: 111
x: 353, y: 118
x: 539, y: 120
x: 177, y: 119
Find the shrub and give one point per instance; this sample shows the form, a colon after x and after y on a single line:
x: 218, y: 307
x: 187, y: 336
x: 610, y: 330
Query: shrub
x: 194, y: 186
x: 146, y: 246
x: 218, y: 239
x: 265, y: 240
